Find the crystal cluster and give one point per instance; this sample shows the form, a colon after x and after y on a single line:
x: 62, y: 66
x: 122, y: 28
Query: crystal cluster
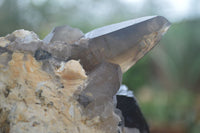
x: 65, y: 83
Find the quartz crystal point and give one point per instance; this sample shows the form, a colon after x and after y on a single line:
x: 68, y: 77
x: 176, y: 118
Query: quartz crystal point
x: 66, y: 82
x: 125, y: 43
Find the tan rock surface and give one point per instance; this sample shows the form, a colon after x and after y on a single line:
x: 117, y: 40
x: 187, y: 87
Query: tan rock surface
x: 33, y: 100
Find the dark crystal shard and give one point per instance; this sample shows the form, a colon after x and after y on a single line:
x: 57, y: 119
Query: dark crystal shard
x: 132, y: 115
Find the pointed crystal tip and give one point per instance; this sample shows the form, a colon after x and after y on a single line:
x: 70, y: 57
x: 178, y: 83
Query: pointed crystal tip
x: 126, y: 42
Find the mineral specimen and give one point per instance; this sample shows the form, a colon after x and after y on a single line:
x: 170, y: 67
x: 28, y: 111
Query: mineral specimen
x: 66, y: 82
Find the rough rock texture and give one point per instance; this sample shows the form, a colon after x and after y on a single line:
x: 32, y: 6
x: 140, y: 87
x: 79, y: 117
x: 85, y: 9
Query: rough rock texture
x: 35, y: 100
x: 66, y: 82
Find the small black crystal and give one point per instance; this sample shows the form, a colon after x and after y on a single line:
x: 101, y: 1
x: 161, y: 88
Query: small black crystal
x: 42, y: 54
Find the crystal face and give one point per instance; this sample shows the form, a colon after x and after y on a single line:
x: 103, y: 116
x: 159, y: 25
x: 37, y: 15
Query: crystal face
x: 114, y: 27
